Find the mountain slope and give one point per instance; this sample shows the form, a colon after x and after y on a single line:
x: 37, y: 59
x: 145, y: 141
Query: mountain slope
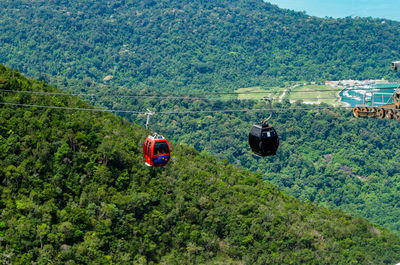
x: 74, y: 190
x: 326, y: 155
x: 220, y: 45
x: 181, y: 45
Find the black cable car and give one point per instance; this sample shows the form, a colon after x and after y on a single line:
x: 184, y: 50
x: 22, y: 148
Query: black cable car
x: 263, y: 139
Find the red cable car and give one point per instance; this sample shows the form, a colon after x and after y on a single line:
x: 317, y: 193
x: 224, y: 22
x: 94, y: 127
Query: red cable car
x: 156, y: 151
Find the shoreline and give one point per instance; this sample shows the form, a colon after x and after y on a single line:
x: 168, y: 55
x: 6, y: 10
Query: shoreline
x: 346, y: 104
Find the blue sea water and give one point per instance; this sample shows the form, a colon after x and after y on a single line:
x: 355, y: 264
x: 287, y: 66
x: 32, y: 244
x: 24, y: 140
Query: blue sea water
x: 355, y: 97
x: 344, y: 8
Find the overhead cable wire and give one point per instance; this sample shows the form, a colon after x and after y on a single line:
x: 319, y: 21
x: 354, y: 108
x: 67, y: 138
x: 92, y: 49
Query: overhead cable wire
x: 66, y: 108
x: 101, y: 95
x: 172, y: 112
x: 251, y: 110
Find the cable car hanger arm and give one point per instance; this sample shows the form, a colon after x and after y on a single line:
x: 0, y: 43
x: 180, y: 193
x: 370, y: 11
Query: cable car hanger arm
x: 268, y: 99
x: 148, y: 113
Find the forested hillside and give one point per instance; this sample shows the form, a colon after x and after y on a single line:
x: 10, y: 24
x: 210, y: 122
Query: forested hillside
x: 182, y: 45
x: 75, y: 190
x: 326, y: 155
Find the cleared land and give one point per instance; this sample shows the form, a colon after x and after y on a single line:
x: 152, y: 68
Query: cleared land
x: 309, y: 94
x: 259, y: 92
x: 315, y: 94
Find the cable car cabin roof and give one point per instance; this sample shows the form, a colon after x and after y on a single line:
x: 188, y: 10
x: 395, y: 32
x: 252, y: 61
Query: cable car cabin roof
x: 263, y: 126
x: 155, y: 137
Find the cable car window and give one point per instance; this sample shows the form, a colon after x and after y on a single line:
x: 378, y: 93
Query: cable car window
x: 161, y: 148
x: 146, y: 148
x: 267, y: 134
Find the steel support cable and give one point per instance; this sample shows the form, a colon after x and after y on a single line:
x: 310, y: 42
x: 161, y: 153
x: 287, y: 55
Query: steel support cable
x: 100, y: 95
x: 172, y: 112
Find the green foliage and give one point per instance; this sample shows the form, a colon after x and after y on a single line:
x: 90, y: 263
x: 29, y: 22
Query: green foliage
x: 325, y: 156
x: 73, y: 186
x: 75, y: 190
x: 181, y: 45
x: 188, y: 46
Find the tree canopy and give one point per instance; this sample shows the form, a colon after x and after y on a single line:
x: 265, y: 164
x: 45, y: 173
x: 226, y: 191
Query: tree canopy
x: 180, y: 45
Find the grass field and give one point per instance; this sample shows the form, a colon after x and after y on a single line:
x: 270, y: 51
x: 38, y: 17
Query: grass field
x: 315, y: 94
x: 309, y: 94
x: 258, y: 92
